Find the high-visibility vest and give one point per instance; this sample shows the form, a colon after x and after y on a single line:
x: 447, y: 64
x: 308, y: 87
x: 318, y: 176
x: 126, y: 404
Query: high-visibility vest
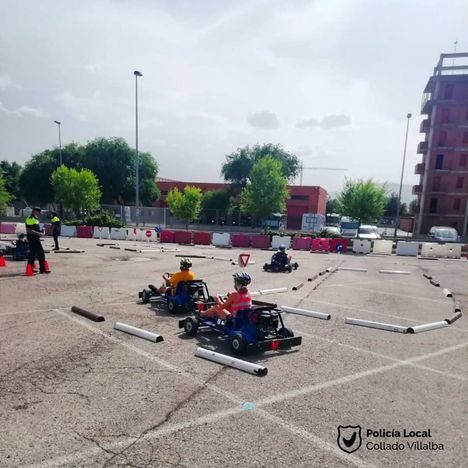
x: 55, y: 219
x: 241, y: 302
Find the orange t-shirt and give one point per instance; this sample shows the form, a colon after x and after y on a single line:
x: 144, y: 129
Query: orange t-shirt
x: 184, y: 275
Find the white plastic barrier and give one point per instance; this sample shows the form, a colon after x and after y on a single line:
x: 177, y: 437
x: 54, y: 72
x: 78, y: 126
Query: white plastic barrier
x: 383, y: 247
x: 221, y: 239
x: 430, y: 249
x: 118, y: 233
x: 454, y: 250
x: 68, y: 231
x: 103, y: 234
x: 361, y: 246
x: 276, y: 241
x: 132, y: 234
x: 20, y: 228
x: 141, y: 235
x: 408, y: 249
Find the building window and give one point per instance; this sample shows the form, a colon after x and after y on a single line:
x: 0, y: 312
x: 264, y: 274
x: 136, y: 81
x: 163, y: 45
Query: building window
x: 456, y: 204
x: 465, y: 137
x: 300, y: 197
x: 445, y: 117
x: 463, y: 159
x: 433, y: 205
x: 459, y: 182
x: 436, y: 183
x: 163, y: 193
x: 439, y: 161
x: 442, y: 138
x: 448, y: 91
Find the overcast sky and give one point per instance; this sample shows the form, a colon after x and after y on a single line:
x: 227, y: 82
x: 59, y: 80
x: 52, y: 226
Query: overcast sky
x: 330, y: 80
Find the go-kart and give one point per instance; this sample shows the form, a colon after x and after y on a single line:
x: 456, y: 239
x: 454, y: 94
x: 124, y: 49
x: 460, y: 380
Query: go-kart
x: 260, y: 328
x: 188, y: 295
x: 277, y: 267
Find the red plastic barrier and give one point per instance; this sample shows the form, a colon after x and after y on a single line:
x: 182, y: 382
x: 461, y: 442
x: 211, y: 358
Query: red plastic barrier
x: 321, y: 244
x: 240, y: 240
x: 201, y: 238
x: 167, y: 236
x: 85, y: 232
x: 48, y: 229
x: 260, y: 242
x: 183, y: 237
x: 335, y: 243
x: 7, y: 228
x: 301, y: 243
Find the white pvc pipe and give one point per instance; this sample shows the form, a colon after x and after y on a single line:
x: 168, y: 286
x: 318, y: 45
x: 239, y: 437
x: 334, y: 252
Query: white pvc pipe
x: 454, y: 317
x: 148, y: 250
x: 352, y: 269
x: 306, y: 313
x: 155, y: 338
x: 395, y: 272
x: 427, y: 327
x: 331, y: 269
x: 245, y: 366
x: 379, y: 325
x: 447, y: 292
x: 262, y: 292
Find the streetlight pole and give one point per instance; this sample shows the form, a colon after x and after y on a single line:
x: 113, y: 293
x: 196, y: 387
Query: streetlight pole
x: 60, y: 139
x: 137, y: 162
x: 408, y: 117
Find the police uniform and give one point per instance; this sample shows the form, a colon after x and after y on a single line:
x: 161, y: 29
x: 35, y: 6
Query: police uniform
x: 34, y: 241
x: 56, y: 225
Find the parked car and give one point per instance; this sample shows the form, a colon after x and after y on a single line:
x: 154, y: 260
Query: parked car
x: 366, y: 231
x: 349, y: 228
x: 444, y: 234
x: 331, y: 230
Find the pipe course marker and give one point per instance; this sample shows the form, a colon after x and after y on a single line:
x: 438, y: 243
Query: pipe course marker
x: 131, y: 330
x: 379, y: 325
x: 428, y: 327
x: 86, y: 313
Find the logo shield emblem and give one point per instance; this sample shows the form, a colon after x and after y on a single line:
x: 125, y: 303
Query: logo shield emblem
x: 349, y: 438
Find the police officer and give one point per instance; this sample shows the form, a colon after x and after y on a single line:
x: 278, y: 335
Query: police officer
x: 56, y: 225
x: 34, y: 234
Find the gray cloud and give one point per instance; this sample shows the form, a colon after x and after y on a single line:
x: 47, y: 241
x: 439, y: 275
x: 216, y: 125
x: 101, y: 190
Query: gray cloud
x: 23, y: 111
x: 263, y: 119
x: 327, y: 122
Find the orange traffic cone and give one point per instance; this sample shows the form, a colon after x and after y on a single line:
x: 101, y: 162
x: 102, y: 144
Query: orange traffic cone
x: 2, y: 261
x: 46, y: 265
x: 29, y: 270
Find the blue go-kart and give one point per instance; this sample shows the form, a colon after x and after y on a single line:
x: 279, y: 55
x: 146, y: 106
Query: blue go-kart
x: 188, y: 295
x: 260, y: 328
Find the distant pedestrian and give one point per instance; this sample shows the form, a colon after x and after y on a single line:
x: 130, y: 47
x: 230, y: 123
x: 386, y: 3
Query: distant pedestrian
x: 34, y: 234
x: 56, y: 227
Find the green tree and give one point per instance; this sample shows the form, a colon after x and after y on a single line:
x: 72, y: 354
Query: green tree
x: 11, y: 174
x: 331, y: 205
x: 185, y: 205
x: 267, y: 191
x: 238, y: 166
x: 76, y: 189
x: 362, y: 200
x: 391, y: 206
x: 4, y: 196
x: 215, y: 200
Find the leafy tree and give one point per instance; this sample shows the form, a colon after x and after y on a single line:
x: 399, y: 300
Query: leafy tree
x: 76, y: 189
x: 4, y: 197
x: 331, y: 205
x: 11, y: 174
x: 239, y: 164
x: 185, y: 205
x: 391, y: 206
x: 215, y: 200
x: 363, y: 200
x: 266, y: 192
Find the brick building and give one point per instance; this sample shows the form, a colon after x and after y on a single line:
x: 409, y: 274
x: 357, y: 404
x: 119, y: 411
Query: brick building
x: 443, y: 188
x: 302, y: 199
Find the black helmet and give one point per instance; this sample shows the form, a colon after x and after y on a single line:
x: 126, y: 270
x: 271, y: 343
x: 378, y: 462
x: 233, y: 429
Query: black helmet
x: 242, y: 278
x: 282, y: 248
x: 185, y: 263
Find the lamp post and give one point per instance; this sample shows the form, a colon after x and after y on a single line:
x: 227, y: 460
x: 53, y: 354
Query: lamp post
x: 408, y: 117
x: 137, y: 162
x: 60, y: 139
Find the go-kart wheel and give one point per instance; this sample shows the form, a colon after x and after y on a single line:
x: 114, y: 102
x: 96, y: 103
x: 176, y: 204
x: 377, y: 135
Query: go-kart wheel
x: 296, y: 265
x: 190, y: 326
x: 285, y: 332
x: 145, y: 296
x: 238, y: 344
x: 172, y: 307
x: 289, y: 269
x: 265, y: 267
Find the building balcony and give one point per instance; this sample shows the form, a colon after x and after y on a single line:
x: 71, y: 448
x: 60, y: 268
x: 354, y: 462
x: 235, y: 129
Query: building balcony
x: 426, y: 105
x: 417, y: 189
x: 425, y: 126
x: 422, y: 147
x: 419, y: 168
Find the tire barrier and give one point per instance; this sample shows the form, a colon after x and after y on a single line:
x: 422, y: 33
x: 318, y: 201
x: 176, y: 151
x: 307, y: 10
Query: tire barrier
x: 245, y: 366
x: 428, y: 327
x: 447, y: 293
x: 89, y: 315
x: 305, y: 313
x: 298, y: 286
x: 379, y: 325
x: 201, y: 238
x: 395, y: 272
x: 454, y: 317
x: 382, y: 247
x: 131, y: 330
x: 407, y: 249
x: 352, y: 269
x: 302, y: 243
x: 276, y: 241
x: 240, y: 240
